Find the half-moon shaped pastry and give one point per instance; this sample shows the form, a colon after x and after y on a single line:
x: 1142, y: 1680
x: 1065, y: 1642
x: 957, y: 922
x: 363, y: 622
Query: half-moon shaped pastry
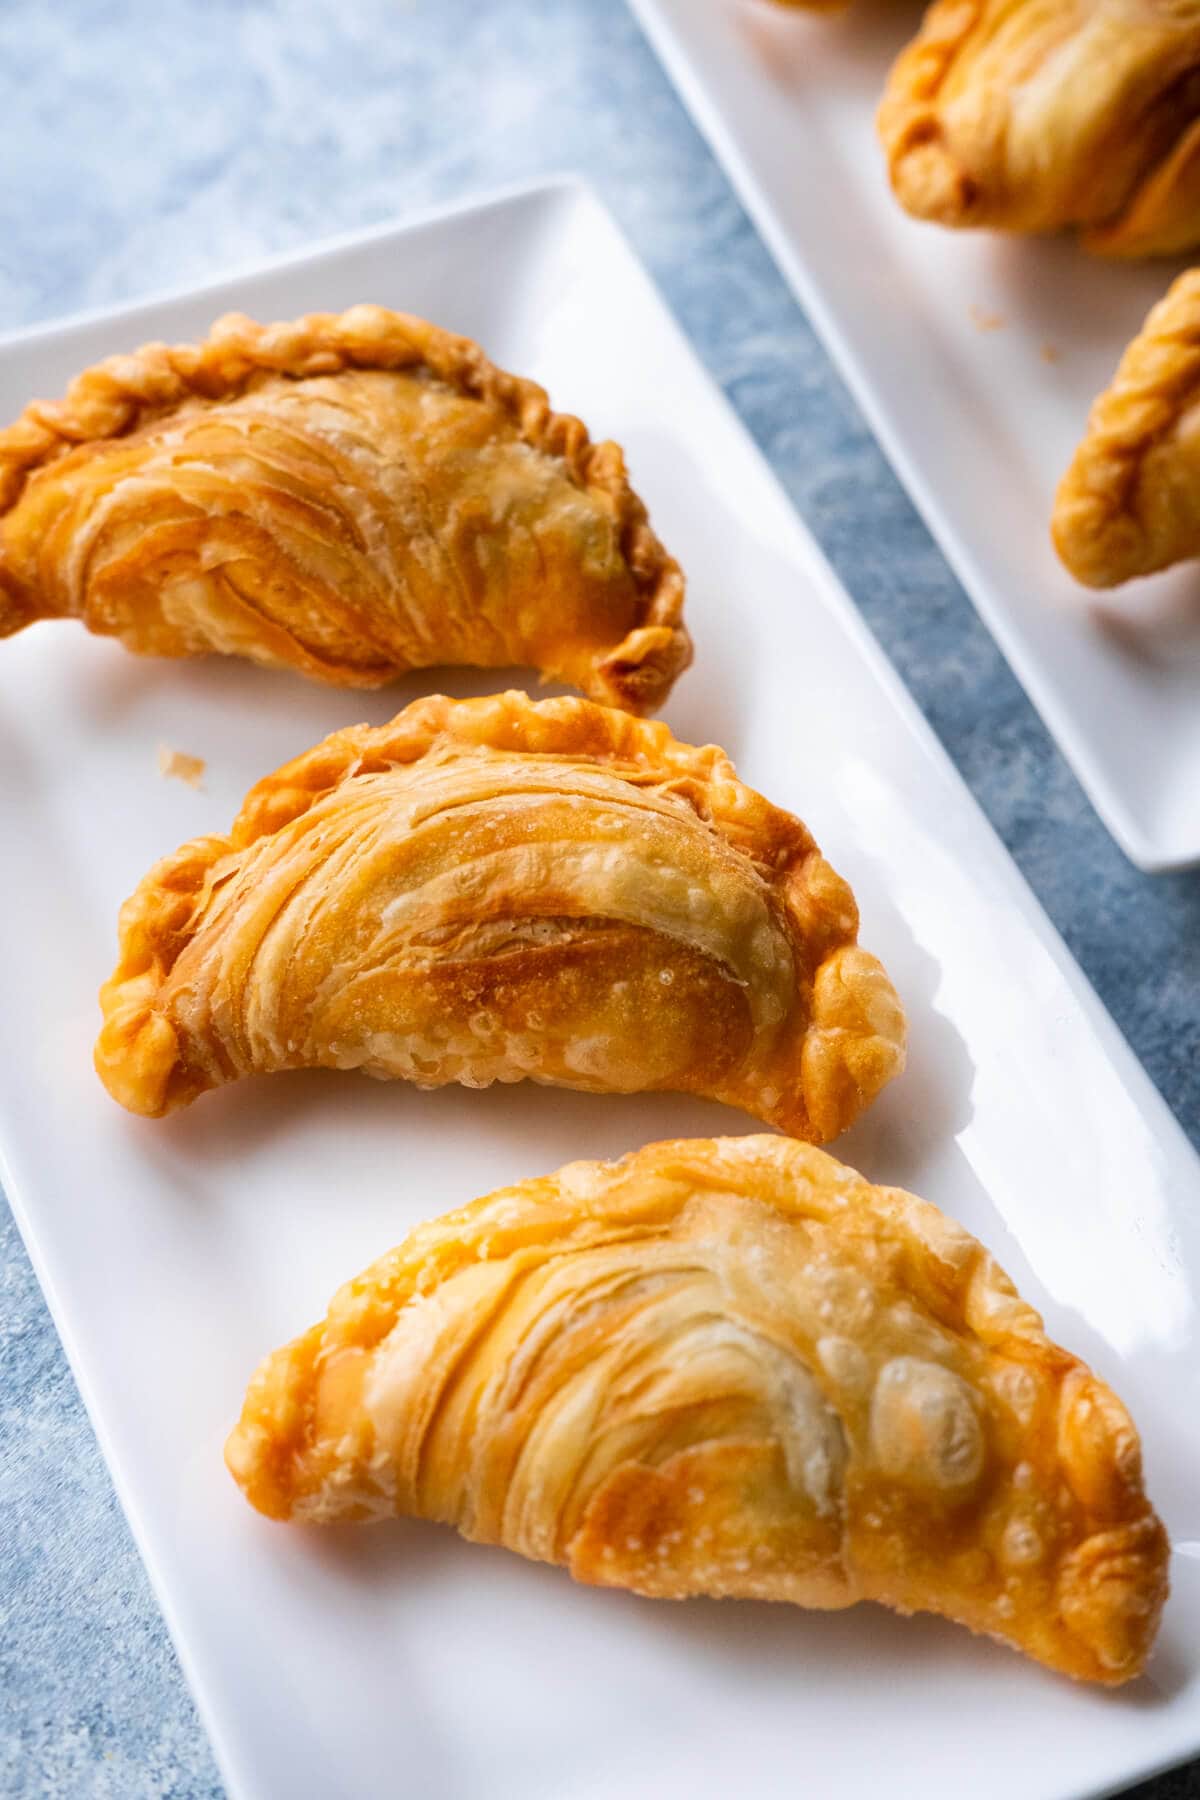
x: 729, y: 1367
x: 1030, y: 117
x: 488, y: 890
x: 1130, y: 502
x: 346, y: 495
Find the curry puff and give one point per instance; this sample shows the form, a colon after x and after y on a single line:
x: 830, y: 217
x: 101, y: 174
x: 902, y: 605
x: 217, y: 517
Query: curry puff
x: 1028, y: 116
x: 731, y: 1368
x: 350, y: 496
x: 487, y: 890
x: 1129, y: 504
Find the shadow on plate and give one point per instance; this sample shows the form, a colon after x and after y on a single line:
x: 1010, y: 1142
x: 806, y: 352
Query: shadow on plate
x: 857, y: 45
x: 115, y: 686
x: 739, y: 1636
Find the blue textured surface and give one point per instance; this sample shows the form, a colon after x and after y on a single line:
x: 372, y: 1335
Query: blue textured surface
x: 152, y: 145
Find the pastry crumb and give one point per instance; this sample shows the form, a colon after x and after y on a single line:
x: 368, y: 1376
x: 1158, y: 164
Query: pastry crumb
x: 177, y: 765
x: 985, y: 320
x: 1051, y: 353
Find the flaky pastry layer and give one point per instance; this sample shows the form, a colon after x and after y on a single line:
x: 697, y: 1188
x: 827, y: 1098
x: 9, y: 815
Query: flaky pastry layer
x: 1043, y: 115
x: 726, y: 1367
x: 348, y: 495
x: 1129, y: 504
x: 488, y: 890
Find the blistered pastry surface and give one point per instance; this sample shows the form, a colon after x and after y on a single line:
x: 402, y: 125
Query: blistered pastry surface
x: 496, y: 889
x: 729, y: 1367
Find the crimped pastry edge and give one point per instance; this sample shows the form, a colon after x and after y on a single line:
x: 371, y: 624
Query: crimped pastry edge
x: 1118, y: 1571
x: 1095, y: 525
x: 137, y: 1052
x: 933, y: 184
x: 927, y: 179
x: 115, y: 396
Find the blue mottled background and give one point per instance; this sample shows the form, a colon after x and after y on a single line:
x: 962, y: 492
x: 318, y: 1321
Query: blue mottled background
x: 145, y: 146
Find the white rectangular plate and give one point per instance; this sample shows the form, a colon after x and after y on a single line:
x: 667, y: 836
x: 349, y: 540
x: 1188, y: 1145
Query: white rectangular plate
x: 175, y: 1253
x: 976, y: 358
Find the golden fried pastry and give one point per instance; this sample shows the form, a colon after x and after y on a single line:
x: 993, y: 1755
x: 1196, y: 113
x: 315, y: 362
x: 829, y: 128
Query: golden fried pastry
x: 726, y: 1367
x: 488, y: 890
x: 1130, y: 502
x: 347, y: 495
x: 1039, y: 115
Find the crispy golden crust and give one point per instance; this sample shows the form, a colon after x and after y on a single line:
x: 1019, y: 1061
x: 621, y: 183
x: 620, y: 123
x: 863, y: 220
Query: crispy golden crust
x: 487, y: 890
x: 1052, y: 114
x: 726, y: 1367
x: 350, y: 495
x: 1130, y: 502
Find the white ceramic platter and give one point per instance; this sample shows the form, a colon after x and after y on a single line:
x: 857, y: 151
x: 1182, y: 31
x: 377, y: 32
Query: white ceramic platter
x: 976, y: 358
x: 399, y: 1660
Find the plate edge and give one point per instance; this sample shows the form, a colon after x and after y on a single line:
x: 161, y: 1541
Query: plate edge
x: 1136, y: 843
